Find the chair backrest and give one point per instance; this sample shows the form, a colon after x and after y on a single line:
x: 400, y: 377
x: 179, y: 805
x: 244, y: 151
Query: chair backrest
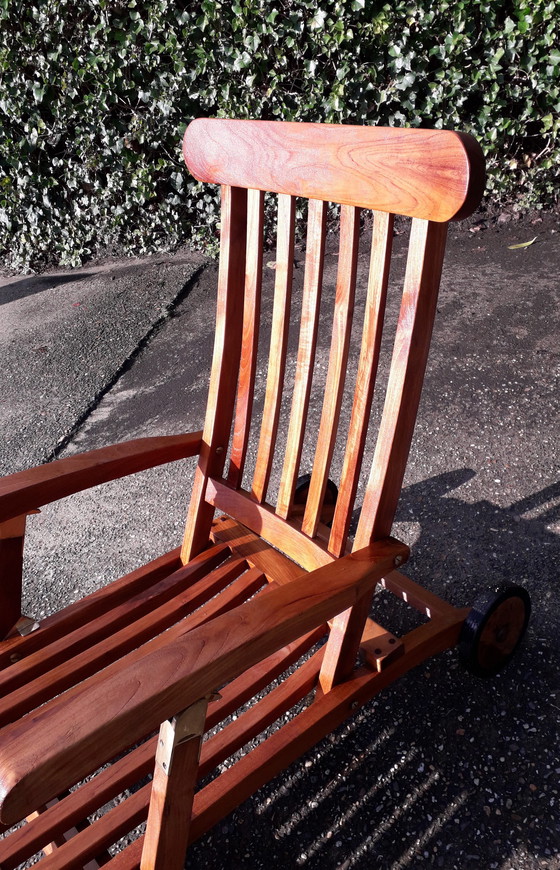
x: 432, y: 176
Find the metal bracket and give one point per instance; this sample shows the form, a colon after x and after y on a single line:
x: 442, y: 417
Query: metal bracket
x: 25, y: 625
x: 186, y: 725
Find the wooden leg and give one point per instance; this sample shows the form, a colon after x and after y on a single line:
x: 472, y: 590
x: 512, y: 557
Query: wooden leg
x: 12, y: 533
x: 169, y: 815
x: 343, y: 643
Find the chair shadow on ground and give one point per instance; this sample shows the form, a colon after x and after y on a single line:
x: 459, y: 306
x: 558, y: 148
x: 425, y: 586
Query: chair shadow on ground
x: 443, y: 769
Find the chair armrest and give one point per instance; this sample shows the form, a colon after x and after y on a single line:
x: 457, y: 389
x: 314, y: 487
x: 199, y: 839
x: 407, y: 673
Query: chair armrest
x: 26, y: 490
x: 71, y: 736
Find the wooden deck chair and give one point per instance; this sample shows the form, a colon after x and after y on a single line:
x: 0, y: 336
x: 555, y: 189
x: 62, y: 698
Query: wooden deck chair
x: 126, y: 682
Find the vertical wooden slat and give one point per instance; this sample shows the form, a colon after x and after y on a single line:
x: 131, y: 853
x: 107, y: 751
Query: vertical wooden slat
x: 338, y: 360
x: 225, y: 366
x: 314, y: 262
x: 249, y: 346
x: 380, y: 260
x: 278, y: 345
x: 410, y: 353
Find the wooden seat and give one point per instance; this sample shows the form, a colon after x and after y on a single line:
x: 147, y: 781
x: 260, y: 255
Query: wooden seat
x: 124, y: 683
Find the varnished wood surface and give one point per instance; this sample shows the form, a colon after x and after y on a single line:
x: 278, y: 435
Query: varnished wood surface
x: 433, y: 174
x: 338, y: 360
x: 312, y: 288
x: 126, y: 701
x: 25, y: 490
x: 380, y: 261
x: 225, y: 367
x: 261, y: 519
x: 278, y: 345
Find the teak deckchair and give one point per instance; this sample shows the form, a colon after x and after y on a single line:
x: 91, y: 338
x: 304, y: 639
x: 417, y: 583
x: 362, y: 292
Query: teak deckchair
x: 137, y: 672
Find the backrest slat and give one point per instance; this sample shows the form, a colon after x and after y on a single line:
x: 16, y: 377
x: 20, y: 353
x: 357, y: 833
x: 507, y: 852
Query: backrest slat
x: 249, y: 346
x: 225, y: 367
x: 338, y: 360
x: 278, y: 344
x: 314, y: 260
x: 380, y: 261
x: 408, y: 364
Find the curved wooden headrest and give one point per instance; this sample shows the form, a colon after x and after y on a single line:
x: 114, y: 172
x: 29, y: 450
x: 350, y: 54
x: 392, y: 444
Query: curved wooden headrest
x: 437, y: 175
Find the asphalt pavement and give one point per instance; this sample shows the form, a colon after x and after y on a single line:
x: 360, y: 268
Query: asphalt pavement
x: 442, y: 770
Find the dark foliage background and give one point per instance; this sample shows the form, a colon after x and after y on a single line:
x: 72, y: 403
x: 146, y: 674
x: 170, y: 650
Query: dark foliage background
x: 95, y: 96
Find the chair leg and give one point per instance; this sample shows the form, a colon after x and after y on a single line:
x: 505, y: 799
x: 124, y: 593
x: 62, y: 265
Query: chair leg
x: 176, y: 767
x: 12, y: 533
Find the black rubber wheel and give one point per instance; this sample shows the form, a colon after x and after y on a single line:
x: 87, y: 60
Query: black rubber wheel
x: 494, y: 629
x: 331, y: 495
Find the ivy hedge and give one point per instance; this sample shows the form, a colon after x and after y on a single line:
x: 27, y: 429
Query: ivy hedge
x: 95, y: 96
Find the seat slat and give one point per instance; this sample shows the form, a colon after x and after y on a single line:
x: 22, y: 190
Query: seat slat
x: 127, y: 771
x: 380, y: 261
x: 89, y: 608
x: 23, y: 700
x: 278, y: 345
x: 145, y: 604
x: 338, y: 360
x: 249, y: 347
x: 314, y: 261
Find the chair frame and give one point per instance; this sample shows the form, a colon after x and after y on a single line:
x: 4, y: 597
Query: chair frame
x: 286, y: 579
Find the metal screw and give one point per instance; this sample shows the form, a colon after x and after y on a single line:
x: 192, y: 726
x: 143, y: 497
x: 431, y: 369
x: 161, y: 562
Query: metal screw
x: 398, y: 561
x: 354, y: 705
x: 219, y: 449
x: 14, y: 658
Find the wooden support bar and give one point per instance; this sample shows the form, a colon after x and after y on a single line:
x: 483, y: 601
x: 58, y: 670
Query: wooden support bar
x: 176, y: 767
x: 262, y: 519
x: 278, y: 345
x: 314, y: 261
x: 338, y: 361
x: 417, y: 596
x: 12, y: 533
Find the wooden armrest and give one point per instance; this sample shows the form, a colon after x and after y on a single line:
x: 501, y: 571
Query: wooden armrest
x: 22, y: 492
x: 71, y: 736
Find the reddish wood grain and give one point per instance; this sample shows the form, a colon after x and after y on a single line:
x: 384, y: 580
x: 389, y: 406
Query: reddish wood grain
x: 380, y: 261
x: 278, y: 345
x: 336, y: 374
x: 225, y: 367
x: 63, y: 741
x: 249, y: 346
x: 432, y: 174
x: 25, y: 490
x: 314, y: 263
